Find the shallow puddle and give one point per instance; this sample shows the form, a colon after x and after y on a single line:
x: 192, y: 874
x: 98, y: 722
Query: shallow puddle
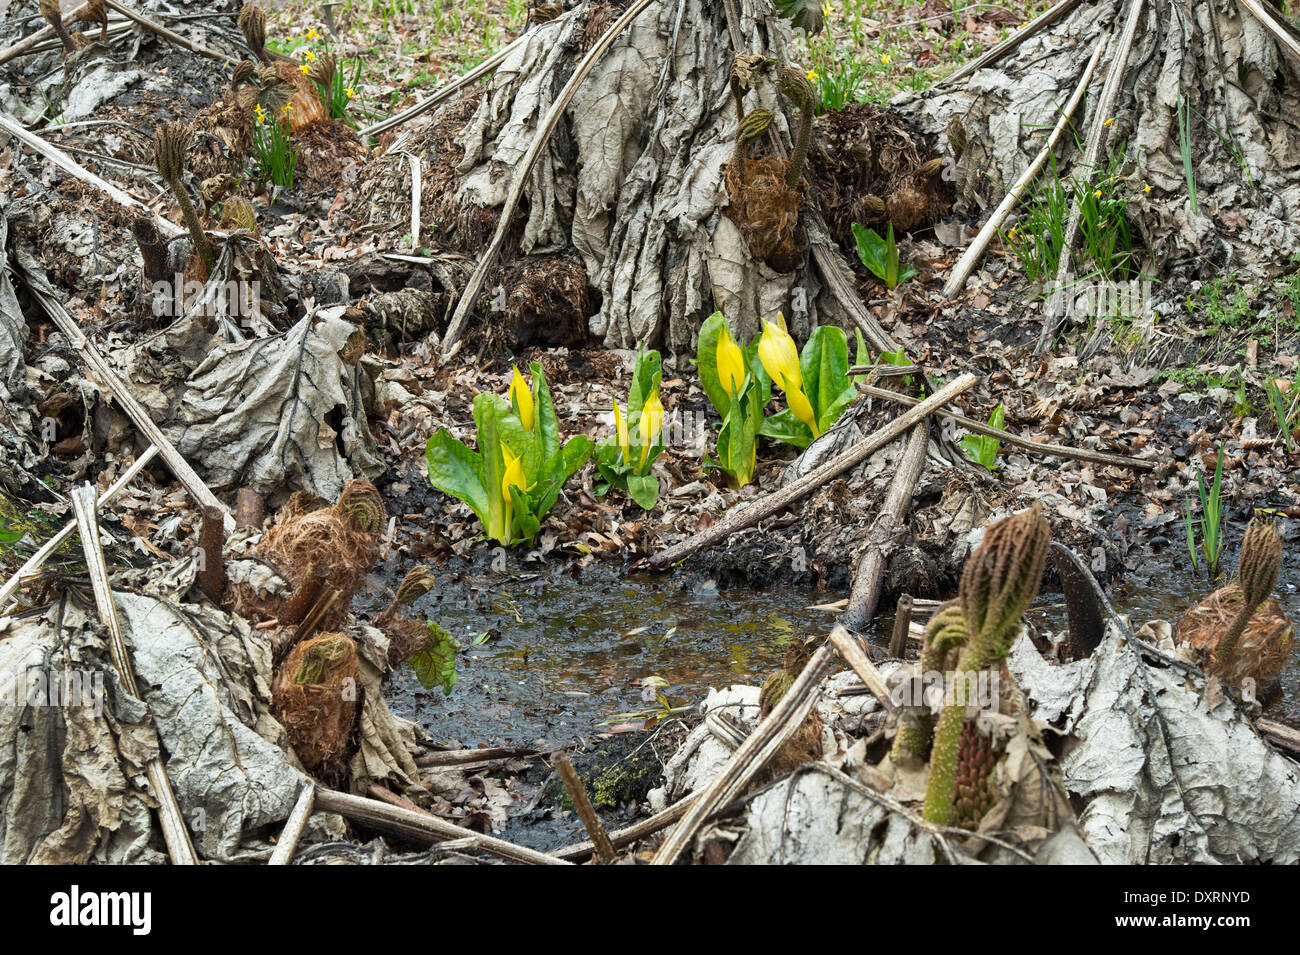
x: 560, y: 657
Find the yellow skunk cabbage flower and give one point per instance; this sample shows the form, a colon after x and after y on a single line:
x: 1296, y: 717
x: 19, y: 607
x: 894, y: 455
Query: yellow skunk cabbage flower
x: 731, y: 363
x: 514, y: 473
x: 512, y: 477
x: 621, y: 424
x: 649, y: 427
x: 777, y: 352
x: 521, y: 396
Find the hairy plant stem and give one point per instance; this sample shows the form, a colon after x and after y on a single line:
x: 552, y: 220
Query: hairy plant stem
x: 54, y: 16
x: 794, y: 84
x: 202, y: 247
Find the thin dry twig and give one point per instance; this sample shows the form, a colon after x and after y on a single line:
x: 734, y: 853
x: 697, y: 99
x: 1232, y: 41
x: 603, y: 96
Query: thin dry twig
x: 583, y: 807
x: 868, y: 581
x: 1051, y: 450
x: 291, y: 835
x: 425, y: 828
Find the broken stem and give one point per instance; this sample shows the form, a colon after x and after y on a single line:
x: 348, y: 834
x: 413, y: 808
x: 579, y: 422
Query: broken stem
x: 867, y: 583
x: 902, y: 626
x: 212, y: 542
x: 153, y: 250
x: 583, y: 807
x: 248, y: 510
x: 304, y: 598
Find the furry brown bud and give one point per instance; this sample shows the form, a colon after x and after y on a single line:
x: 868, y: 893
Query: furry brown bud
x: 245, y: 71
x: 237, y: 213
x: 361, y: 501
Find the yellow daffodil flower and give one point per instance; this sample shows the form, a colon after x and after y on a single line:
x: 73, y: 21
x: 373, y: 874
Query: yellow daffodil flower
x: 826, y: 9
x: 310, y: 56
x: 312, y: 34
x: 303, y: 69
x: 649, y: 427
x: 731, y: 363
x: 620, y: 425
x: 885, y: 58
x: 1147, y: 187
x: 780, y: 357
x: 1097, y: 194
x: 351, y: 92
x: 812, y: 76
x: 1109, y: 122
x: 521, y: 396
x: 286, y: 107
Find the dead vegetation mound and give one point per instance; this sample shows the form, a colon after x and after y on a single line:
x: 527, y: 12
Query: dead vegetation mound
x: 548, y: 302
x: 874, y: 167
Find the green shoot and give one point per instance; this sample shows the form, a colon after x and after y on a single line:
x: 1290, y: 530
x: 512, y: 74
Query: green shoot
x: 880, y: 255
x: 981, y: 448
